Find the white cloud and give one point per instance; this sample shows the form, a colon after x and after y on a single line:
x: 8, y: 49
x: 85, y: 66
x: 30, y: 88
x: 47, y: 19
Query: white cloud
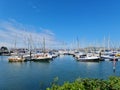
x: 12, y: 31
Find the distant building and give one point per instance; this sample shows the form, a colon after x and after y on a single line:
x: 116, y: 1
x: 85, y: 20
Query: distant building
x: 4, y: 51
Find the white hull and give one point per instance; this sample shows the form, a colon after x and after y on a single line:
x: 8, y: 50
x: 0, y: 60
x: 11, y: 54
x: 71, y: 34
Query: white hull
x: 89, y: 59
x: 110, y: 58
x: 42, y: 57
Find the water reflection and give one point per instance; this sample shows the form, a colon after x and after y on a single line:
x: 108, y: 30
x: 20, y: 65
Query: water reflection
x: 114, y: 67
x: 17, y: 64
x: 42, y: 61
x: 3, y: 58
x: 89, y: 63
x: 61, y: 56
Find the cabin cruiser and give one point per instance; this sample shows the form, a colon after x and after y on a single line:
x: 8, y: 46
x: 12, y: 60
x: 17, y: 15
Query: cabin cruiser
x: 88, y: 58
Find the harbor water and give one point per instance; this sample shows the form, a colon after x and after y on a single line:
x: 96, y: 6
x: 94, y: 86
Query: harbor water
x: 39, y: 75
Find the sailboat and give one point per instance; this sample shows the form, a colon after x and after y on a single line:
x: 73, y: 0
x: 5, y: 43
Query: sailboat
x: 15, y: 55
x: 42, y: 56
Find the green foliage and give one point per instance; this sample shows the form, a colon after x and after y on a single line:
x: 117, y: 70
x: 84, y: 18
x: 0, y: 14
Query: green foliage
x: 113, y: 83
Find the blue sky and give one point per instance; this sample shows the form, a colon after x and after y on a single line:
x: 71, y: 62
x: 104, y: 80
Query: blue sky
x: 88, y: 20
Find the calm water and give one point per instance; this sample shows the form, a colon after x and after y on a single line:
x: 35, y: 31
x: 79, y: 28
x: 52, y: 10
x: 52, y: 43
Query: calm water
x: 38, y: 75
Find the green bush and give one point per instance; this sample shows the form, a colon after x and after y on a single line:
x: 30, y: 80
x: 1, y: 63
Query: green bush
x: 113, y: 83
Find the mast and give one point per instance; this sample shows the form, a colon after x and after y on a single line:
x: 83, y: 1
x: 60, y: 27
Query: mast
x: 104, y: 44
x: 43, y: 44
x: 15, y: 44
x: 30, y: 46
x: 109, y: 43
x: 78, y: 44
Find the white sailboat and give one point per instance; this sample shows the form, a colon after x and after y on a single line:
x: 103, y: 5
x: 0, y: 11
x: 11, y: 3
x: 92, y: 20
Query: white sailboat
x: 42, y: 56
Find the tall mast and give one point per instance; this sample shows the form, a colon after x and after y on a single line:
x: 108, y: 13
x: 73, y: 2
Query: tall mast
x: 78, y: 45
x: 44, y: 44
x: 104, y: 44
x: 15, y: 42
x: 109, y: 43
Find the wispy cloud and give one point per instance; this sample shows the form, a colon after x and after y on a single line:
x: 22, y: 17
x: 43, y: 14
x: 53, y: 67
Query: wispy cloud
x: 34, y: 6
x: 12, y: 32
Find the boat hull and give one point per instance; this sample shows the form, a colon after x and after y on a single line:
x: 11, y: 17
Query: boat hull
x: 89, y: 59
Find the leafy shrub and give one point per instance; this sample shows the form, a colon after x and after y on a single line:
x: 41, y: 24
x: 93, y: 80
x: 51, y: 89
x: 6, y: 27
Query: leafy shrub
x: 113, y: 83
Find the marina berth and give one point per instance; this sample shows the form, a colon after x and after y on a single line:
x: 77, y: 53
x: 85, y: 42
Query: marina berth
x: 90, y: 56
